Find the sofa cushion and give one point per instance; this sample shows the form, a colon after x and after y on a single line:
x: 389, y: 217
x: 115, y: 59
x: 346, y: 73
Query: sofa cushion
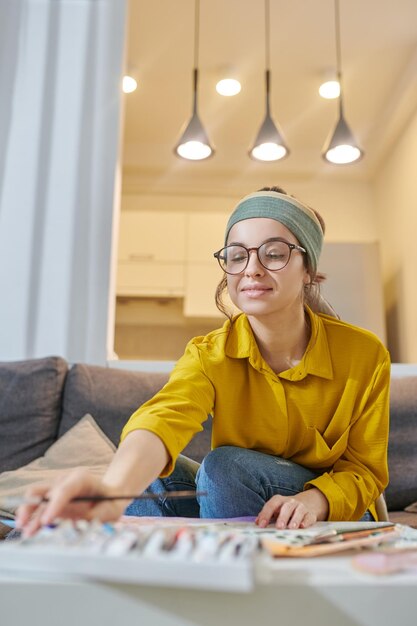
x: 111, y: 395
x: 30, y: 408
x: 402, y: 446
x: 84, y: 445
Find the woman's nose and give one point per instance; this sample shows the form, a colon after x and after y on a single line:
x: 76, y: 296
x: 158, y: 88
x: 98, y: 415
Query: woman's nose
x: 254, y: 266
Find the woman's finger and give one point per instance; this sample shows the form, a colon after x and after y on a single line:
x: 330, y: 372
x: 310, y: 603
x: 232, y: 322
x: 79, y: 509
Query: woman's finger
x: 76, y: 483
x: 30, y: 517
x: 309, y: 519
x: 286, y: 513
x: 34, y: 523
x: 25, y: 512
x: 297, y: 516
x: 104, y: 512
x: 269, y: 510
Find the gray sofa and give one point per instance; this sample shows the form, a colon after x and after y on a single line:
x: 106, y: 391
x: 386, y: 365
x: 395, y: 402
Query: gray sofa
x: 41, y: 399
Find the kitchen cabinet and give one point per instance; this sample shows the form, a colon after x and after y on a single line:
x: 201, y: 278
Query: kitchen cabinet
x: 201, y: 281
x: 205, y: 235
x: 151, y: 259
x: 170, y: 254
x: 205, y: 232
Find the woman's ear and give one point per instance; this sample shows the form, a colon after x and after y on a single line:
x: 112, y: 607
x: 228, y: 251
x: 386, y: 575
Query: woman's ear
x: 307, y: 280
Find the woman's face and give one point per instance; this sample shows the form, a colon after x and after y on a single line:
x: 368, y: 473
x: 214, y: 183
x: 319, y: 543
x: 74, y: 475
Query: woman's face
x: 258, y: 291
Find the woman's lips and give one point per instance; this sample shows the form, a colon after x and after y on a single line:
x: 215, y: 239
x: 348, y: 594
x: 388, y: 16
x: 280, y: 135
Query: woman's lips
x: 256, y: 291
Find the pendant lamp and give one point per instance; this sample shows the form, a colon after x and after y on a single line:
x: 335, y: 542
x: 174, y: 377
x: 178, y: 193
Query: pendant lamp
x: 341, y: 147
x: 194, y: 144
x: 269, y: 144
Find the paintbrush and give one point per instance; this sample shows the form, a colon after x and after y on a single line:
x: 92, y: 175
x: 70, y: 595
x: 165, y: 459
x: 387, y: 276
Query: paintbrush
x: 14, y: 501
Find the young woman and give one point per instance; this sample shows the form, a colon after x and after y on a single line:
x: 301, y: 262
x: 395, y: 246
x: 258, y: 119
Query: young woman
x: 299, y: 399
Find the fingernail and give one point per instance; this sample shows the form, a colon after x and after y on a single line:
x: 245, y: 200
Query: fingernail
x: 45, y: 519
x: 263, y: 523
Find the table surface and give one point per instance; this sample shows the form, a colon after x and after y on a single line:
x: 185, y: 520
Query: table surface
x: 325, y: 591
x: 321, y: 590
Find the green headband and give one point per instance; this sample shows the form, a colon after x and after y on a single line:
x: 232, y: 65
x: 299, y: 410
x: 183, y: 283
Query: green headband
x: 297, y: 217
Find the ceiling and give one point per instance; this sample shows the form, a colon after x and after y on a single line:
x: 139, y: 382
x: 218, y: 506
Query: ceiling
x: 379, y: 63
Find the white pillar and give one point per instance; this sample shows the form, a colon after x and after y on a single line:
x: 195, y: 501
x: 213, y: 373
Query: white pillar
x: 60, y: 74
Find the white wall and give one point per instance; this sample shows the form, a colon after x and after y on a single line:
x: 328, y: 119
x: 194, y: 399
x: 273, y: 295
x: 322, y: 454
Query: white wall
x: 396, y: 208
x: 60, y: 71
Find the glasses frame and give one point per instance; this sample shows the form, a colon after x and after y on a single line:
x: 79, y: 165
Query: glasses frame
x: 291, y: 246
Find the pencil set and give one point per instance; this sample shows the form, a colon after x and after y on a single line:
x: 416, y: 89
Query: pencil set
x: 331, y: 541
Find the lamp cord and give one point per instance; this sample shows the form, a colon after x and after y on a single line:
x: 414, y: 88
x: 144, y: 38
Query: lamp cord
x: 338, y: 52
x: 196, y: 32
x: 267, y: 58
x: 338, y: 45
x: 195, y: 70
x: 337, y: 31
x: 267, y: 36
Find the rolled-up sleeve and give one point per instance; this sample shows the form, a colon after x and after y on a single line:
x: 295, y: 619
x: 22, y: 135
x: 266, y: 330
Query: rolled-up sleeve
x: 177, y: 412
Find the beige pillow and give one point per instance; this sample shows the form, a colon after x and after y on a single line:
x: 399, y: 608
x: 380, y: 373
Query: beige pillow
x: 84, y: 445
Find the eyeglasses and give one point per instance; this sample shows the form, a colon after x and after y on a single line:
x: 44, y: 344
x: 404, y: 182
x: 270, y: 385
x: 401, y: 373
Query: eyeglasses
x: 273, y: 255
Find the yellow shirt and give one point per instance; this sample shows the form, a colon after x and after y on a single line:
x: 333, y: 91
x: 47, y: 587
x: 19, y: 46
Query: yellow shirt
x: 328, y: 413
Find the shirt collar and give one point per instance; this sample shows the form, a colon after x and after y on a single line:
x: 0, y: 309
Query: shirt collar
x: 241, y: 344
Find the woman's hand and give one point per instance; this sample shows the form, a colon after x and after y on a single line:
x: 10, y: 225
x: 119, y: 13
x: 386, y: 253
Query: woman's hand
x: 79, y: 482
x: 139, y: 459
x: 299, y: 511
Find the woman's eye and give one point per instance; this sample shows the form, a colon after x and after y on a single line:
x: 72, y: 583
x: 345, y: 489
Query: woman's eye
x: 274, y: 255
x: 237, y: 258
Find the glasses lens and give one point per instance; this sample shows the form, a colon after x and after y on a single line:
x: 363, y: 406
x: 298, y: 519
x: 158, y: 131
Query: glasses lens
x: 233, y: 259
x: 274, y: 255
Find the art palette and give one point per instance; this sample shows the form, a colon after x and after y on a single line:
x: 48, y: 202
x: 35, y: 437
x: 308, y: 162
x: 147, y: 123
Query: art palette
x: 206, y: 557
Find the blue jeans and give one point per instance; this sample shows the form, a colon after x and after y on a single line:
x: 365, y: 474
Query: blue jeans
x: 237, y: 482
